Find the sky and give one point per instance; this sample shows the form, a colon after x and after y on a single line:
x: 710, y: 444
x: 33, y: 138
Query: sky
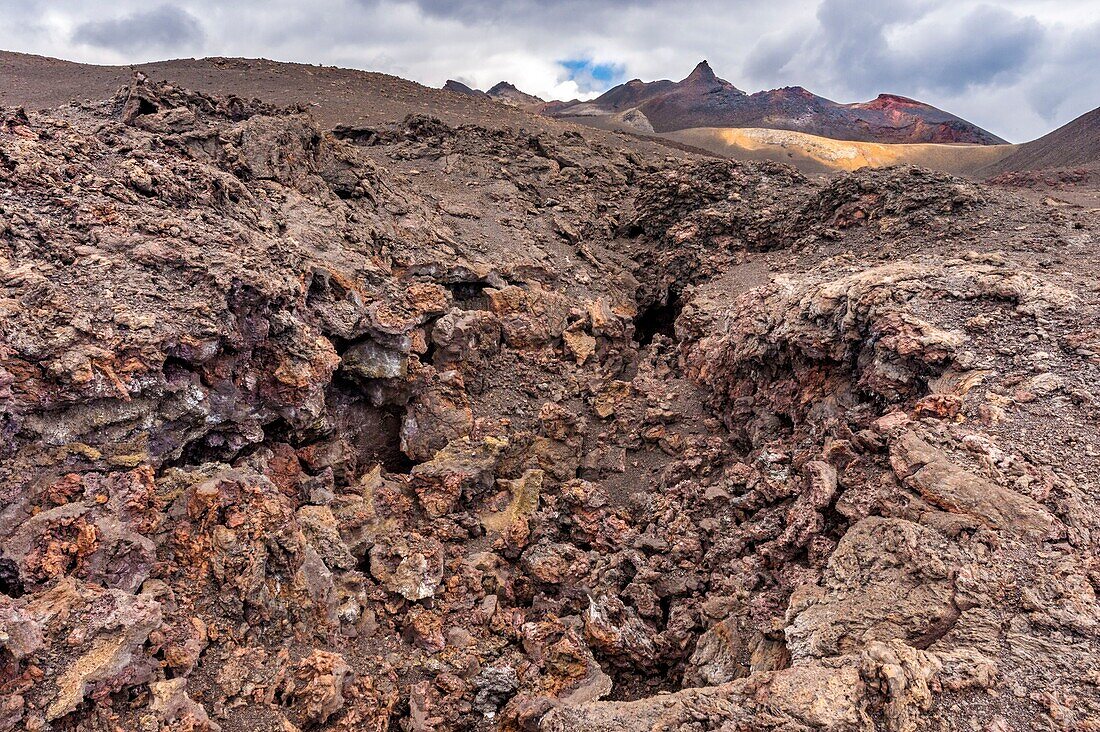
x: 1018, y: 68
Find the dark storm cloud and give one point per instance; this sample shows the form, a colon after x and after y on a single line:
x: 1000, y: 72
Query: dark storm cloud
x: 1063, y: 84
x: 900, y: 45
x: 482, y: 10
x: 166, y: 27
x: 988, y: 45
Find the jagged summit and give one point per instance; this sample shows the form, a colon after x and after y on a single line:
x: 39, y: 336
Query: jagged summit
x: 508, y: 93
x: 502, y: 87
x: 460, y: 88
x: 893, y: 101
x: 704, y: 99
x: 702, y: 72
x: 703, y: 76
x: 503, y: 91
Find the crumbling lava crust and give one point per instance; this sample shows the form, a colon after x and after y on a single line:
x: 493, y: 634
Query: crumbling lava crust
x: 421, y: 427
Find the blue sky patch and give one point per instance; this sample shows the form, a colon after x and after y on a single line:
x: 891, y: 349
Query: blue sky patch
x: 592, y: 76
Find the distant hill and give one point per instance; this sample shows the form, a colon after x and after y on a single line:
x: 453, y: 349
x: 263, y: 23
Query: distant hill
x: 333, y: 95
x: 459, y: 87
x: 1071, y: 145
x: 503, y: 91
x: 704, y: 100
x: 509, y: 94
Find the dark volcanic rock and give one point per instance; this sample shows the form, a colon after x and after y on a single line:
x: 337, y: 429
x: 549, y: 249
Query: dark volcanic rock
x: 503, y: 92
x: 460, y: 88
x: 509, y: 94
x: 430, y: 426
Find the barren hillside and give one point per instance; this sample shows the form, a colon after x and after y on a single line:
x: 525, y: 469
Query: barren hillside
x: 1075, y: 144
x: 333, y: 96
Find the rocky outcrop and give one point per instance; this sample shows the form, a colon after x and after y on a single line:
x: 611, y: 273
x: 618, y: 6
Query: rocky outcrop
x: 464, y: 428
x: 803, y: 697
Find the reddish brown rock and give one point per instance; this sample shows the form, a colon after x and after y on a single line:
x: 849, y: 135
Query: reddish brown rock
x: 492, y: 422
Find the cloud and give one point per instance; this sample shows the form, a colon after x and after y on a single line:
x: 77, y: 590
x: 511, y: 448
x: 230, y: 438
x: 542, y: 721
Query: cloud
x: 903, y: 45
x: 986, y: 46
x: 166, y: 27
x: 525, y: 11
x: 1059, y: 88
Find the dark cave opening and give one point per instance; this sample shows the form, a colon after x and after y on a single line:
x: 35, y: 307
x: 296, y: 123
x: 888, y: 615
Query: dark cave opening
x: 394, y: 460
x: 657, y: 318
x: 211, y: 447
x: 373, y: 431
x: 10, y: 582
x: 469, y: 295
x: 145, y: 107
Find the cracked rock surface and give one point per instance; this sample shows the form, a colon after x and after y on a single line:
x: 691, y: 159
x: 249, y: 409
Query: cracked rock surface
x: 416, y: 426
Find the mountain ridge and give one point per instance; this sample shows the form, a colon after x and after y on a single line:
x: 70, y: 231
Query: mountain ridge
x: 703, y: 99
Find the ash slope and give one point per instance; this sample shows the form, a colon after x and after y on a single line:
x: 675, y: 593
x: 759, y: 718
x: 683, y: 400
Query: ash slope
x: 704, y: 100
x: 814, y: 154
x: 430, y: 427
x: 1074, y: 144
